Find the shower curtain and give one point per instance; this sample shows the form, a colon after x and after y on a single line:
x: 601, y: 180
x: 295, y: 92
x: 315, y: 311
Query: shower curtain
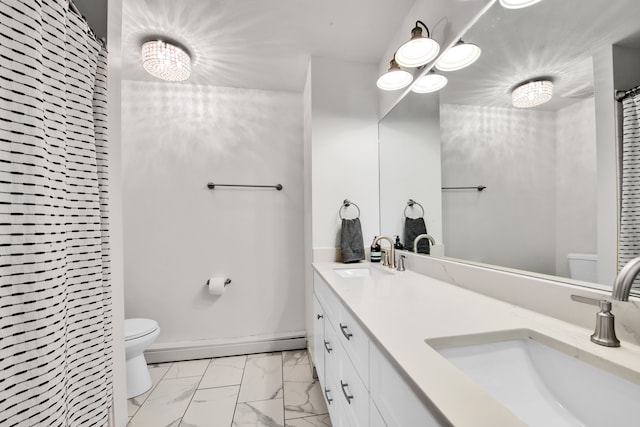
x: 629, y: 229
x: 55, y: 301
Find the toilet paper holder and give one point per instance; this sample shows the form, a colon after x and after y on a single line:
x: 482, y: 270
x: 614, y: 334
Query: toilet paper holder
x: 226, y: 282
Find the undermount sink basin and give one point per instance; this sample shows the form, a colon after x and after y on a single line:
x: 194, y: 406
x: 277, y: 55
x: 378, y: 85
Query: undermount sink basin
x: 543, y: 381
x: 363, y: 271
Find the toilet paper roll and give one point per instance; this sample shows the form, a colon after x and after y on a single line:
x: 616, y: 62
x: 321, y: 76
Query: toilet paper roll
x: 216, y: 285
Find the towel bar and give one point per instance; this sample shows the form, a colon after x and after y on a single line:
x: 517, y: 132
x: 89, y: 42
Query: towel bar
x: 411, y: 203
x: 479, y: 188
x: 345, y: 204
x: 211, y: 186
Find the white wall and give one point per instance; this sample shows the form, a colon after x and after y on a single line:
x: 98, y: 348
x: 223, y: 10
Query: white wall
x: 178, y: 137
x: 512, y: 152
x: 114, y: 40
x: 344, y: 137
x: 576, y: 183
x: 411, y: 165
x: 308, y: 208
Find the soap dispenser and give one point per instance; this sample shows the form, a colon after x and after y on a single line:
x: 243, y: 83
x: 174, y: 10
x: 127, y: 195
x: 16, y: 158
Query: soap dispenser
x: 398, y: 245
x: 376, y: 251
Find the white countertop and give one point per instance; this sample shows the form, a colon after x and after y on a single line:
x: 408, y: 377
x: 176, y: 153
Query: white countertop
x: 403, y: 309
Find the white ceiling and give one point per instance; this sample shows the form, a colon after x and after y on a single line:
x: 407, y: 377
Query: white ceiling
x: 554, y: 38
x: 260, y: 44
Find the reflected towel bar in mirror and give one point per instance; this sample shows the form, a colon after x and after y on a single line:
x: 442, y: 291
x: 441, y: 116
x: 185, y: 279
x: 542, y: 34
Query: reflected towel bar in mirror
x: 211, y: 186
x: 410, y: 204
x: 479, y: 188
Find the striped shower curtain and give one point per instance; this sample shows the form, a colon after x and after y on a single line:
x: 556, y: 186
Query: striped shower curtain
x: 629, y: 230
x: 55, y: 301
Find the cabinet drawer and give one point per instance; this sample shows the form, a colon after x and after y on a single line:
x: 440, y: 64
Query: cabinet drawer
x: 394, y: 398
x: 349, y: 332
x: 331, y: 396
x: 375, y: 419
x: 352, y: 394
x: 355, y: 342
x: 325, y: 295
x: 316, y: 343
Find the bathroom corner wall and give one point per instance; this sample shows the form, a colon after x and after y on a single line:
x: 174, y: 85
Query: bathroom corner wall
x: 114, y: 105
x: 344, y: 147
x: 576, y: 183
x: 178, y: 233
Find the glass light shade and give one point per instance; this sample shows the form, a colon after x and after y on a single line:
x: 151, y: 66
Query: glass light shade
x: 417, y: 51
x: 430, y: 82
x: 459, y: 56
x: 532, y: 94
x: 395, y: 78
x: 517, y: 4
x: 166, y: 61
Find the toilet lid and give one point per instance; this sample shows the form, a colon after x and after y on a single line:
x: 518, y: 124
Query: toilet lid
x: 136, y: 328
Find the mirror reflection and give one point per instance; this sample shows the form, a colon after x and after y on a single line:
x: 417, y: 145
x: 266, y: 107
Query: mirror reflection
x: 550, y: 171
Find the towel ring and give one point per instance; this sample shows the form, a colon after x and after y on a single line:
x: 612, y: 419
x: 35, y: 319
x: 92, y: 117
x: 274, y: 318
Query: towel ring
x: 345, y: 205
x: 411, y: 203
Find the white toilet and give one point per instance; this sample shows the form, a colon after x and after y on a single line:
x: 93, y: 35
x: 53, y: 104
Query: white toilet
x: 139, y: 334
x: 583, y: 267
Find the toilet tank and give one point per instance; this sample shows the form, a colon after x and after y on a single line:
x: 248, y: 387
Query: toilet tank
x: 583, y: 267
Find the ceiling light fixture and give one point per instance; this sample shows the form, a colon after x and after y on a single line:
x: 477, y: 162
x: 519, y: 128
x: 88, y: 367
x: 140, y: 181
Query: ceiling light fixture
x: 430, y: 82
x: 166, y: 61
x: 518, y: 4
x: 459, y: 56
x: 395, y: 78
x: 419, y: 50
x: 532, y: 93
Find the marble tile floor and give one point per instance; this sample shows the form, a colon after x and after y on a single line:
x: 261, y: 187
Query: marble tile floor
x: 269, y: 389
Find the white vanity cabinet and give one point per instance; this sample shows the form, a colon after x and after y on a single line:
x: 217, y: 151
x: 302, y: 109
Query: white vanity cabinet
x: 360, y: 385
x: 343, y: 341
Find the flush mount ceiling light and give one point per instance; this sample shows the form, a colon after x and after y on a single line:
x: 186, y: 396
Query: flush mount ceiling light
x: 459, y: 56
x: 419, y: 49
x: 518, y: 4
x: 531, y: 94
x: 166, y: 61
x: 430, y: 82
x: 395, y: 78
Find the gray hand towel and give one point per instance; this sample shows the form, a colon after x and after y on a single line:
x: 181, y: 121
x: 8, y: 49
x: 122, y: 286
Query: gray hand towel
x: 351, y: 243
x: 413, y: 227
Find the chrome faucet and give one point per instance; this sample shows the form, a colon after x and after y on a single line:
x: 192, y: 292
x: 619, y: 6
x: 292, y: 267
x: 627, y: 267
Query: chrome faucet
x: 420, y: 237
x: 605, y: 333
x: 624, y: 280
x: 392, y: 260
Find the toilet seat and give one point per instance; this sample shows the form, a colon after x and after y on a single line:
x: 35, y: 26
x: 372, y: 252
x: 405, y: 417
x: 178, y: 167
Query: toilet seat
x: 136, y: 328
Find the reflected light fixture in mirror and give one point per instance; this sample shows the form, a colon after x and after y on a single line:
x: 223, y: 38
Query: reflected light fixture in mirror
x: 531, y: 94
x: 459, y: 56
x: 419, y: 50
x: 395, y: 78
x: 430, y: 82
x: 518, y: 4
x: 166, y: 61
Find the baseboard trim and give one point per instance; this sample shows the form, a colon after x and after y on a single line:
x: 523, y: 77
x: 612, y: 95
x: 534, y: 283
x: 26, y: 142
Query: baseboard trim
x: 173, y: 352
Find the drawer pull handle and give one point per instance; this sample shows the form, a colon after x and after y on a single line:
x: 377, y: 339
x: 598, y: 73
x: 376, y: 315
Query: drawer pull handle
x: 346, y: 334
x: 326, y: 394
x: 346, y: 395
x: 326, y: 345
x: 319, y: 316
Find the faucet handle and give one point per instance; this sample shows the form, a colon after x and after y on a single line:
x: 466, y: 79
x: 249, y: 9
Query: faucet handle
x: 401, y: 263
x: 605, y: 332
x: 385, y: 258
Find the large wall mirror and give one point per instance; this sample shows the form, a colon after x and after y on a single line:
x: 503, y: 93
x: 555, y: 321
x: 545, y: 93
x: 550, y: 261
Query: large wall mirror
x: 541, y: 166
